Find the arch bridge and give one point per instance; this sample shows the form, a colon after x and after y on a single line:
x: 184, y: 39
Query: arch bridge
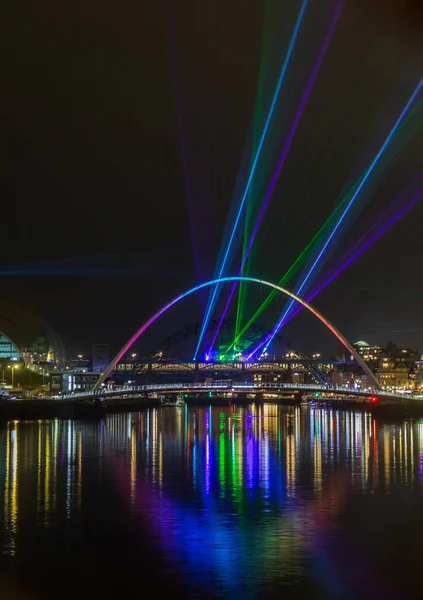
x: 224, y: 389
x: 374, y: 383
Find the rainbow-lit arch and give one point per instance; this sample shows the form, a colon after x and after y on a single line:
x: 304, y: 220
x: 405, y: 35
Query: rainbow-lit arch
x: 217, y: 281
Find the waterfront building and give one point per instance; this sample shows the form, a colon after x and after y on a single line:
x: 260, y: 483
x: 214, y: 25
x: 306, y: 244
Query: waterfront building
x: 419, y: 375
x: 65, y: 382
x: 393, y: 366
x: 101, y: 357
x: 26, y: 337
x: 351, y: 376
x: 394, y: 374
x: 403, y: 355
x: 79, y: 364
x: 369, y: 353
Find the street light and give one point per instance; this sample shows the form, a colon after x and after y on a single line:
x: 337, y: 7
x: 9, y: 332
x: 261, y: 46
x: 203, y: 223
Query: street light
x: 13, y: 373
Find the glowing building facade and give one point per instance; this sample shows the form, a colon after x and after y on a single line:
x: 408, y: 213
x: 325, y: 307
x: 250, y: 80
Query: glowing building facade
x: 419, y: 375
x: 26, y: 337
x: 371, y: 354
x: 8, y: 350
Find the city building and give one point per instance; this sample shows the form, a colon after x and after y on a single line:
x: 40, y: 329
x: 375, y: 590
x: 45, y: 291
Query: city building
x: 403, y: 355
x: 371, y: 354
x: 65, y: 382
x: 419, y: 375
x: 79, y: 364
x: 351, y: 376
x: 394, y: 374
x: 101, y: 357
x: 26, y: 337
x: 394, y: 367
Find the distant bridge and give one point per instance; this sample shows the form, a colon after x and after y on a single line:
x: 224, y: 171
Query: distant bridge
x: 236, y: 388
x: 140, y: 367
x: 228, y: 326
x: 254, y: 334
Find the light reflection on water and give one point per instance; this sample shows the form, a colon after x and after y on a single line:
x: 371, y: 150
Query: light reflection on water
x: 254, y: 502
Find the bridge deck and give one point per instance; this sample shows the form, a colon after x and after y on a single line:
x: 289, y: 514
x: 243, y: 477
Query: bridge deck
x: 236, y: 388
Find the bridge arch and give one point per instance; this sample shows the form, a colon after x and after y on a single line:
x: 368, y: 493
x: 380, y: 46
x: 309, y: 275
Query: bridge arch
x: 217, y: 281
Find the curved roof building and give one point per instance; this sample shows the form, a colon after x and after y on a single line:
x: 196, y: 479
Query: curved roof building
x: 25, y: 335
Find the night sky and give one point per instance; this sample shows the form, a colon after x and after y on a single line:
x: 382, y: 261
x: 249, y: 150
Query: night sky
x: 104, y: 104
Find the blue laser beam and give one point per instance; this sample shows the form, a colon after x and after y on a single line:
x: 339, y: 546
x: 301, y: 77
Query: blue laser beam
x: 293, y: 129
x: 253, y: 167
x: 349, y: 205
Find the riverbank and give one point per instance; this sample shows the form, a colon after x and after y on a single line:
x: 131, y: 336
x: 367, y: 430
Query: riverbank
x: 31, y: 409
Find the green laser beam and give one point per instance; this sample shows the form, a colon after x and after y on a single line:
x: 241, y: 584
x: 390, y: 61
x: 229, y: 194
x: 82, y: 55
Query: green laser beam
x: 258, y: 119
x: 316, y: 238
x: 298, y: 263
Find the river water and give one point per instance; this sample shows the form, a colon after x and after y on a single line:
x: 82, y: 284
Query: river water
x: 205, y: 502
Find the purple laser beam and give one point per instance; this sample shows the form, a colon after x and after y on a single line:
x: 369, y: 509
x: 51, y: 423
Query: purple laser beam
x: 372, y: 240
x: 341, y: 266
x: 379, y: 221
x: 285, y: 151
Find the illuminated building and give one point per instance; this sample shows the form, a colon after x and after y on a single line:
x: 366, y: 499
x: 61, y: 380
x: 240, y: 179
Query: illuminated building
x: 419, y: 374
x: 72, y: 381
x: 369, y: 353
x: 394, y: 374
x: 8, y: 350
x: 27, y: 338
x: 395, y: 366
x: 101, y: 357
x: 352, y: 377
x: 79, y: 364
x: 404, y: 355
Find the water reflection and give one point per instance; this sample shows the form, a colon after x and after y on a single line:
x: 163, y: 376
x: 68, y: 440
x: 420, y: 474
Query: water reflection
x: 237, y: 500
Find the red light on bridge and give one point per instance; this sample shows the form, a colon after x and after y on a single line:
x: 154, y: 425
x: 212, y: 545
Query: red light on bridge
x: 374, y: 400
